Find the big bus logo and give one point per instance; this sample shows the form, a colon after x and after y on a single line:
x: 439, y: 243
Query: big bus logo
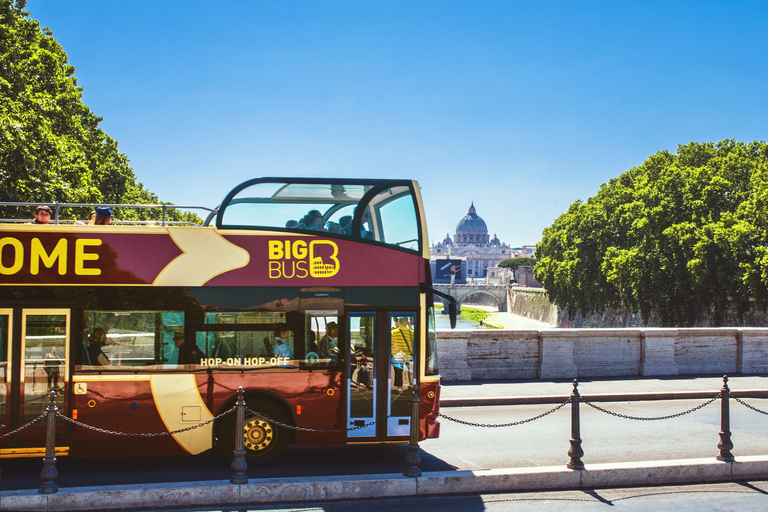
x: 296, y: 258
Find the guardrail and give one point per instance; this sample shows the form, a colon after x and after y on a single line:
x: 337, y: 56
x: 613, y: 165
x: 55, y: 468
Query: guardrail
x: 413, y: 457
x: 164, y: 207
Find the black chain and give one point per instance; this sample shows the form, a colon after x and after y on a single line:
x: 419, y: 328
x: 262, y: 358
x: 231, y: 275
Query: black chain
x: 24, y: 426
x: 153, y: 434
x: 650, y: 419
x: 745, y: 404
x: 488, y: 425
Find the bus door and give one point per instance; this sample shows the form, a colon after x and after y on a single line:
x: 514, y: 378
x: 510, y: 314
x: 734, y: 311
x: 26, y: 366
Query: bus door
x: 34, y: 360
x: 380, y: 375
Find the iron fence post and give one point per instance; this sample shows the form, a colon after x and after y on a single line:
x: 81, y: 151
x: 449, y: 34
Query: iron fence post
x: 49, y: 474
x: 575, y: 452
x: 239, y: 464
x: 413, y: 458
x: 725, y: 445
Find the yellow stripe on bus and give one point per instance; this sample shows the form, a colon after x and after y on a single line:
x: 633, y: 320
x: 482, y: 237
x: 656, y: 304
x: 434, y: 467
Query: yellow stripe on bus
x: 180, y: 405
x: 60, y: 451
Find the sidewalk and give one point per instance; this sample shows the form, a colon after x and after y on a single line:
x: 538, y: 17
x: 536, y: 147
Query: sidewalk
x: 531, y: 391
x: 454, y: 394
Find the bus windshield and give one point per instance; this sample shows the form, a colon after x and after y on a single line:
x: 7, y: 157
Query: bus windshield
x: 376, y: 210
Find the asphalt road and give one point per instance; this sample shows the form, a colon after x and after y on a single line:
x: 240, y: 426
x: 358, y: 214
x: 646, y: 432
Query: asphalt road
x: 543, y: 442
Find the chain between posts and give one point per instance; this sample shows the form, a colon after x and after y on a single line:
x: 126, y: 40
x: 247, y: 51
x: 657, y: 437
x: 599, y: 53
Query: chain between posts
x: 745, y: 404
x: 489, y: 425
x: 627, y: 417
x: 27, y: 425
x: 151, y: 434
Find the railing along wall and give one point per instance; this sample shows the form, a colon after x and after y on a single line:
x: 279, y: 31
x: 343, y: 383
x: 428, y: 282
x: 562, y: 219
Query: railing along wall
x: 571, y: 353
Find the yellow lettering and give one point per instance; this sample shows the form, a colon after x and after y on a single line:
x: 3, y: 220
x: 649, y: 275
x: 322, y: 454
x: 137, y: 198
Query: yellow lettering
x: 299, y: 249
x: 274, y: 269
x: 287, y: 249
x: 320, y: 268
x: 261, y: 360
x: 302, y: 265
x: 274, y: 361
x: 275, y: 249
x: 81, y: 257
x: 18, y: 259
x: 38, y: 254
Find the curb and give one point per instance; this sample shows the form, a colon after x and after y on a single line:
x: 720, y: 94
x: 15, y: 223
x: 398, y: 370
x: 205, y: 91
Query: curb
x: 282, y: 490
x: 606, y: 397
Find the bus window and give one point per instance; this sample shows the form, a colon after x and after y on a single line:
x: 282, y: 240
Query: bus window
x: 252, y: 339
x: 131, y: 338
x: 5, y: 339
x: 45, y: 348
x: 322, y: 340
x: 402, y: 340
x: 391, y: 217
x: 430, y: 366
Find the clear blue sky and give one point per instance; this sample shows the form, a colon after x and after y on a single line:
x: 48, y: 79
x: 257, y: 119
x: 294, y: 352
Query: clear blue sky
x: 521, y: 107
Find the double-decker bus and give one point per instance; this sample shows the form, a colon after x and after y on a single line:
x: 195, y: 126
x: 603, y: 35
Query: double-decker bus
x: 314, y: 295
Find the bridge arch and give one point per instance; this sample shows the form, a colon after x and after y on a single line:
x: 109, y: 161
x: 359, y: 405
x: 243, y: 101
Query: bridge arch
x: 497, y: 294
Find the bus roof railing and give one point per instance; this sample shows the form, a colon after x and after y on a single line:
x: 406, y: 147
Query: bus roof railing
x: 165, y: 207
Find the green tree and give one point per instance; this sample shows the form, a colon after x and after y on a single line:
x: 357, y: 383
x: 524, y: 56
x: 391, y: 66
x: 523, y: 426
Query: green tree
x: 683, y: 235
x: 51, y: 146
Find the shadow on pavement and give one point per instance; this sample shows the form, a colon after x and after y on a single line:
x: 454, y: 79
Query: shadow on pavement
x: 295, y: 462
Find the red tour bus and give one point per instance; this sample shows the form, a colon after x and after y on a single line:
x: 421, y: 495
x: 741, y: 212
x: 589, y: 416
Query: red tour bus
x: 314, y: 295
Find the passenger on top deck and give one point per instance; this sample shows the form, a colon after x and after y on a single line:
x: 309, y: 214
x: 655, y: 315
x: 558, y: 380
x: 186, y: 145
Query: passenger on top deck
x: 103, y: 216
x: 42, y: 215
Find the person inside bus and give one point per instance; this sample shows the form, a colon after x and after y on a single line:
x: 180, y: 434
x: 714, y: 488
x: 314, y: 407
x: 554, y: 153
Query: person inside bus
x: 291, y: 224
x: 313, y: 220
x: 402, y: 351
x: 96, y: 342
x: 345, y: 225
x: 281, y: 346
x: 365, y: 220
x: 192, y: 355
x: 328, y: 348
x: 103, y: 216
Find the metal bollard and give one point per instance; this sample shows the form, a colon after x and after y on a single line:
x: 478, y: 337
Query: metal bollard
x: 575, y: 452
x: 239, y: 465
x: 49, y: 474
x: 413, y: 458
x: 725, y: 445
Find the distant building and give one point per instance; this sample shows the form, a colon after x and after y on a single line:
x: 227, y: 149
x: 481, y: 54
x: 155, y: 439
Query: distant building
x: 472, y: 244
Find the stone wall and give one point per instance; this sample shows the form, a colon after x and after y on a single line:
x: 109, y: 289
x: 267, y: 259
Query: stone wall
x: 572, y: 353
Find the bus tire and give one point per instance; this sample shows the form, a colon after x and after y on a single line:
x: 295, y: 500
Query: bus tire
x: 263, y: 439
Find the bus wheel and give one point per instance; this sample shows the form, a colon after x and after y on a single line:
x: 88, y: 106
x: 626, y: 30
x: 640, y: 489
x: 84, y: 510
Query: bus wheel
x: 263, y: 439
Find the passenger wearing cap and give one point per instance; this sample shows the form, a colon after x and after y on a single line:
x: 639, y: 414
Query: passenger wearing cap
x: 42, y: 214
x: 103, y: 216
x: 192, y: 356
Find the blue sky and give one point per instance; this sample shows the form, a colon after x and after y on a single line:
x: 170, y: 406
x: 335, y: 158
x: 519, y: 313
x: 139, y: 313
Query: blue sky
x: 521, y: 107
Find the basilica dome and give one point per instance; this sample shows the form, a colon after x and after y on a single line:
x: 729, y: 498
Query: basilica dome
x: 471, y: 229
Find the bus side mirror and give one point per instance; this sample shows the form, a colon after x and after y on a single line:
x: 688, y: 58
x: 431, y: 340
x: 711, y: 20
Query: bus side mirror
x: 452, y: 314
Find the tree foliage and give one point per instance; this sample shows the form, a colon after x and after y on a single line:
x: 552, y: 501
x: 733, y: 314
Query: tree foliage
x: 515, y: 263
x: 683, y: 235
x: 51, y: 146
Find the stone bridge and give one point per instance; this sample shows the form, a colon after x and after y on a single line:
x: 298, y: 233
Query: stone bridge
x: 463, y: 292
